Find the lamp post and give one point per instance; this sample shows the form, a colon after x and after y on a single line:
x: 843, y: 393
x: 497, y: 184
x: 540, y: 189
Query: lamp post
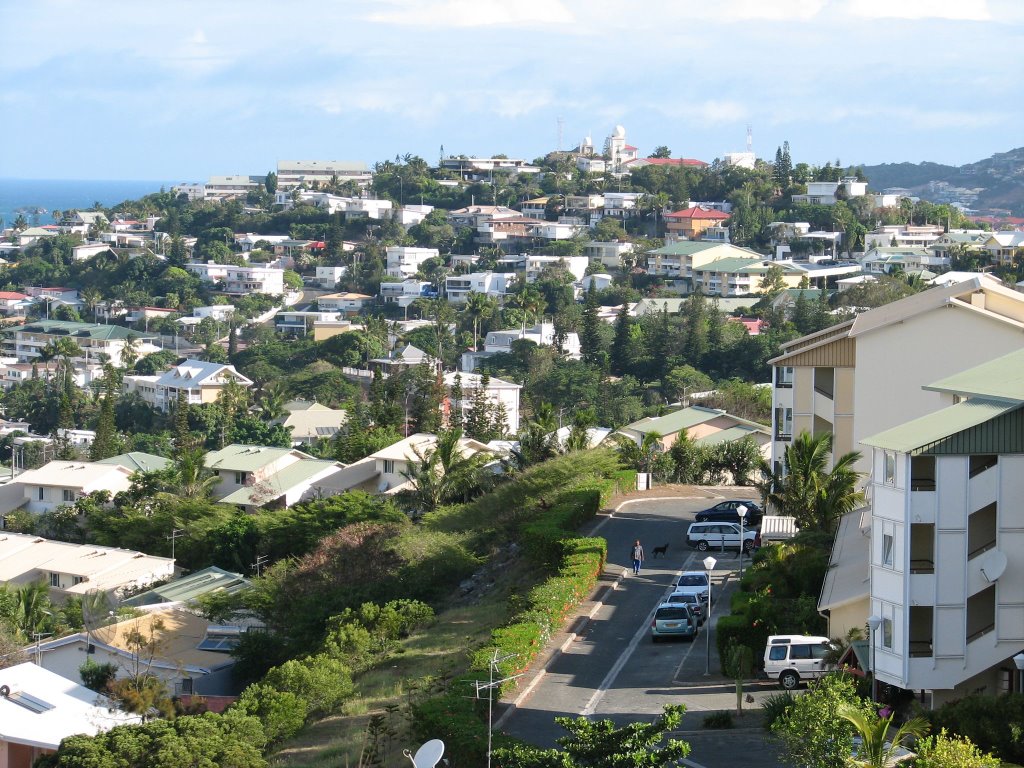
x: 1018, y: 661
x: 741, y: 510
x: 709, y: 566
x: 874, y: 621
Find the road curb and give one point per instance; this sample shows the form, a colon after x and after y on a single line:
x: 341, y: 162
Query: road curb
x: 580, y: 625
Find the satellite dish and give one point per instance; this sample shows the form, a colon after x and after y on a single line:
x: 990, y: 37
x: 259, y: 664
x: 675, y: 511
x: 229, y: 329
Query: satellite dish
x: 992, y: 565
x: 99, y: 609
x: 429, y: 754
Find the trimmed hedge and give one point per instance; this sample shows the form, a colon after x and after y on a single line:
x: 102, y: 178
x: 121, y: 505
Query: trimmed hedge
x: 549, y: 539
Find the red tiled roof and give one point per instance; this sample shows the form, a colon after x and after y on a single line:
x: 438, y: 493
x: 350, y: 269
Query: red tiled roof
x: 12, y: 296
x: 697, y: 212
x: 630, y: 146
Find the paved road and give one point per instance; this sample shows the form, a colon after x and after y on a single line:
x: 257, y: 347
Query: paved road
x: 613, y: 670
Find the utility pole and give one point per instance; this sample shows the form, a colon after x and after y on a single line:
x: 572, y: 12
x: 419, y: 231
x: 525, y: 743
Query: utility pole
x: 176, y: 533
x: 261, y: 561
x: 489, y: 686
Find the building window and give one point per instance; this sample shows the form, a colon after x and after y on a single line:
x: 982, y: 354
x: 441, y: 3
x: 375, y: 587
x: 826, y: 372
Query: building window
x: 922, y: 548
x: 239, y: 478
x: 68, y: 494
x: 784, y: 376
x: 887, y: 633
x: 76, y: 580
x: 981, y: 531
x: 389, y: 467
x: 887, y: 545
x: 889, y: 472
x: 979, y: 463
x: 922, y: 473
x: 981, y: 613
x: 54, y: 579
x: 42, y: 493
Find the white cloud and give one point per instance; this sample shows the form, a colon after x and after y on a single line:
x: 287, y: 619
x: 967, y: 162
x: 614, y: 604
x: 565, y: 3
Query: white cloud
x: 518, y: 103
x: 960, y: 10
x: 473, y: 13
x: 782, y: 10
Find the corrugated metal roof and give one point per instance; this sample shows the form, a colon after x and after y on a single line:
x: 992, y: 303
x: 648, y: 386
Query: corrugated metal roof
x: 1000, y: 379
x: 916, y: 436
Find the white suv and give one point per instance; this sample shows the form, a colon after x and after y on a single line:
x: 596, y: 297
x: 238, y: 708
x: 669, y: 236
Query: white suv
x: 792, y: 658
x: 705, y: 536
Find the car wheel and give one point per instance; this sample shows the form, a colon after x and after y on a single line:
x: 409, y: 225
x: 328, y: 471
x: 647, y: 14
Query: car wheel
x: 748, y: 546
x: 789, y: 680
x: 702, y: 546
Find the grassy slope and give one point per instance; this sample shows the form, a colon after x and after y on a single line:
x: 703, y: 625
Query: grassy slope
x: 441, y: 651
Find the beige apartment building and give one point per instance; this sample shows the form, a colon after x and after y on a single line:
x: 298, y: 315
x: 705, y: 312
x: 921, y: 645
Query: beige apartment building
x: 865, y: 376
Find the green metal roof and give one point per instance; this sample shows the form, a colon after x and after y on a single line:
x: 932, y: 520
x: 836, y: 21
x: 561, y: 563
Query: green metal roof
x: 730, y: 264
x: 244, y: 458
x: 191, y: 587
x: 80, y: 330
x: 685, y: 248
x: 1001, y: 379
x: 931, y: 434
x: 685, y: 418
x: 278, y: 483
x: 731, y: 434
x: 138, y: 461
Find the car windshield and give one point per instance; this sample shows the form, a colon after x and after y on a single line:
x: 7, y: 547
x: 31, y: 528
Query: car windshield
x: 692, y: 581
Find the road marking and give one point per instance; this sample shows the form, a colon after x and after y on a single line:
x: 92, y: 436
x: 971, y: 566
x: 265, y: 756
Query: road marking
x: 624, y: 657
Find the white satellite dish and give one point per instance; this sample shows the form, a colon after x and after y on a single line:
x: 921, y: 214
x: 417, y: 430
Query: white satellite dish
x: 429, y: 754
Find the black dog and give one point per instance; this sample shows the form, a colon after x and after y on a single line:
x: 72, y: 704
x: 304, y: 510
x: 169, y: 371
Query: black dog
x: 662, y: 550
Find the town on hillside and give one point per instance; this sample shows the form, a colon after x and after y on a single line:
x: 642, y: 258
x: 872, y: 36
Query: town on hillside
x: 347, y: 458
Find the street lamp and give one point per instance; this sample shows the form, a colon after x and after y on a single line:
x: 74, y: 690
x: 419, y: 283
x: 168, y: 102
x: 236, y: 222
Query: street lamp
x: 741, y: 510
x: 874, y: 622
x: 709, y: 566
x: 1018, y: 662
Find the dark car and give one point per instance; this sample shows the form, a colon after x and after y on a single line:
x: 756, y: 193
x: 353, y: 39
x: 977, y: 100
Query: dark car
x: 725, y: 512
x: 695, y: 602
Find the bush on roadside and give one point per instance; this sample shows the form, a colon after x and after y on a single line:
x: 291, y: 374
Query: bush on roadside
x: 945, y: 751
x: 324, y: 683
x: 994, y: 723
x: 718, y: 720
x: 282, y: 712
x: 775, y: 707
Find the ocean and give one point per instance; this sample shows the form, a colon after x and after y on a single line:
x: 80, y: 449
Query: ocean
x: 48, y: 195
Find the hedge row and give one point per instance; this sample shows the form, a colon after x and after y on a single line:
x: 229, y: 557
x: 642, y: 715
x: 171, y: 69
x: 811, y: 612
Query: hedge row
x: 454, y: 717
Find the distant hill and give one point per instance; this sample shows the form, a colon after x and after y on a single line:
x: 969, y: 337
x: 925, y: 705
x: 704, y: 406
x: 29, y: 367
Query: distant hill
x: 997, y: 181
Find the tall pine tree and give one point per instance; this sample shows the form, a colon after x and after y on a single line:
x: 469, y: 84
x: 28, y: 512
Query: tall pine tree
x: 105, y: 444
x: 591, y: 346
x: 621, y: 354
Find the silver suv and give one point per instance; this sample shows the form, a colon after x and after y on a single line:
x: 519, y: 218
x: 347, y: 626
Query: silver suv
x: 705, y: 536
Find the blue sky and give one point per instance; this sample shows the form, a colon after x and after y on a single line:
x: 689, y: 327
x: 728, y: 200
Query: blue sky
x: 180, y: 90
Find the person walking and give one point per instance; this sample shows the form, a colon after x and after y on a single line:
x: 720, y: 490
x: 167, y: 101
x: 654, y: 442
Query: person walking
x: 638, y: 556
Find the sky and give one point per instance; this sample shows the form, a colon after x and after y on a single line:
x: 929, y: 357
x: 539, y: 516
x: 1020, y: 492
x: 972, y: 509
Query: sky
x: 185, y: 89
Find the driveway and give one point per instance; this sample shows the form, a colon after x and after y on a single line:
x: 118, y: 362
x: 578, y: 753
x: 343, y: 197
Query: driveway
x: 608, y: 667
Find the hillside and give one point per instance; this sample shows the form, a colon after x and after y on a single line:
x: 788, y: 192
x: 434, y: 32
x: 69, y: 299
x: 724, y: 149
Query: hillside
x: 995, y: 183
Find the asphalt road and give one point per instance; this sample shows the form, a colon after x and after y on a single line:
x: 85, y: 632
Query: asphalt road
x: 613, y: 670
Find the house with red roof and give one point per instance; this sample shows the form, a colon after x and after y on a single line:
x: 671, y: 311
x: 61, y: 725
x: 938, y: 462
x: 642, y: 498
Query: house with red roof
x: 690, y: 223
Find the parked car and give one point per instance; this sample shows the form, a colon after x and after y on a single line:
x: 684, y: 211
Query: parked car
x: 725, y: 512
x: 673, y: 620
x: 694, y: 582
x: 697, y: 605
x: 705, y: 536
x: 793, y: 658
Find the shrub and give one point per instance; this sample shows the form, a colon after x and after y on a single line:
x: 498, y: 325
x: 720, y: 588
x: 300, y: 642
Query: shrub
x: 943, y: 751
x: 282, y: 712
x: 96, y: 677
x: 718, y: 720
x: 994, y: 723
x: 324, y: 683
x: 776, y: 706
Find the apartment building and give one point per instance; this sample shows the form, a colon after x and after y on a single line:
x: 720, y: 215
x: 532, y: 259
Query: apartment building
x: 829, y: 192
x: 61, y: 483
x: 497, y: 391
x: 495, y: 284
x: 543, y: 335
x: 610, y: 254
x: 406, y: 292
x: 201, y: 382
x: 294, y: 173
x: 691, y: 223
x: 26, y: 342
x: 346, y: 303
x: 865, y: 376
x: 405, y: 261
x: 947, y: 538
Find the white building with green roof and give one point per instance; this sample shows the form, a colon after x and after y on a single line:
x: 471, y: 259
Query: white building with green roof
x: 947, y: 538
x: 27, y: 342
x: 252, y: 476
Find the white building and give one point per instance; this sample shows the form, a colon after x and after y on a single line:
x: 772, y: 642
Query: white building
x: 610, y: 254
x: 543, y: 335
x: 42, y: 709
x: 947, y: 538
x: 411, y: 215
x: 405, y: 261
x: 219, y: 312
x: 498, y: 391
x: 255, y: 476
x: 827, y: 192
x: 293, y: 173
x: 328, y: 277
x: 75, y: 569
x: 61, y: 483
x: 346, y: 303
x: 495, y: 284
x: 26, y: 342
x: 404, y: 293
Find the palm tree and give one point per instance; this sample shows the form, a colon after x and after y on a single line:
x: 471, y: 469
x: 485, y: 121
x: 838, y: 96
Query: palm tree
x: 640, y: 456
x: 191, y: 477
x: 478, y: 307
x: 807, y: 489
x: 272, y: 400
x: 130, y: 351
x: 445, y: 472
x: 878, y: 747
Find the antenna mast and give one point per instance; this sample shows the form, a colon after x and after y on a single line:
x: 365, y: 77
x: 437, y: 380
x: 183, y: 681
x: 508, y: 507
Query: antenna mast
x: 750, y: 138
x: 561, y: 123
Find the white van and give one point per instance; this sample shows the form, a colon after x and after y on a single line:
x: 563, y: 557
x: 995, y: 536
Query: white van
x: 792, y: 658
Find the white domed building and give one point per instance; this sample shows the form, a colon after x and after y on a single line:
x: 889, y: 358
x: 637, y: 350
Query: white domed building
x: 618, y: 151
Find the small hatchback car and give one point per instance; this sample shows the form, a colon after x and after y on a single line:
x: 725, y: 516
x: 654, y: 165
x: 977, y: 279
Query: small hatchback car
x: 673, y: 620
